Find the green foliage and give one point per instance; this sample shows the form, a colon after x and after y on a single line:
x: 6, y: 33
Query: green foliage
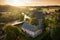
x: 34, y: 21
x: 0, y: 14
x: 12, y: 17
x: 46, y: 23
x: 55, y: 32
x: 8, y: 8
x: 1, y: 26
x: 52, y: 26
x: 12, y: 32
x: 21, y: 17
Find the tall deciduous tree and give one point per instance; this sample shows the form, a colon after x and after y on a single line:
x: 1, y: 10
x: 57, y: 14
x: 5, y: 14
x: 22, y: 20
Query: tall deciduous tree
x: 34, y: 21
x: 21, y: 17
x: 55, y: 32
x: 12, y: 32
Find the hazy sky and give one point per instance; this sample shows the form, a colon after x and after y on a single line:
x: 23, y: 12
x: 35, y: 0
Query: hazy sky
x: 30, y: 2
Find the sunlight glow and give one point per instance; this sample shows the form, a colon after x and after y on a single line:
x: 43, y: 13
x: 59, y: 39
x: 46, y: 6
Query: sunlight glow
x: 30, y: 2
x: 17, y: 2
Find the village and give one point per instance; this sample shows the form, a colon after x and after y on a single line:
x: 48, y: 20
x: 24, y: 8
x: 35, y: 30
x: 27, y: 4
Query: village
x: 32, y: 26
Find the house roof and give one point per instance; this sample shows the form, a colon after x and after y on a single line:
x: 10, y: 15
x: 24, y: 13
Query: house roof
x: 31, y: 27
x: 38, y: 15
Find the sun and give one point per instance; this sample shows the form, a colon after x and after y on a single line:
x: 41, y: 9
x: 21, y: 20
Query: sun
x: 16, y: 2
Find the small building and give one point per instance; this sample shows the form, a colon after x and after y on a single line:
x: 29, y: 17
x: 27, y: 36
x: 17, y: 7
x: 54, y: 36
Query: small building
x: 5, y: 12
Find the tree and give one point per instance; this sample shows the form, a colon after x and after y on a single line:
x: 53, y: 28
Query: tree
x: 55, y: 32
x: 47, y: 22
x: 12, y: 32
x: 0, y: 14
x: 34, y: 21
x: 21, y: 17
x: 1, y: 25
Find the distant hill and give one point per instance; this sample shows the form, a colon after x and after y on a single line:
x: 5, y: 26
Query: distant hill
x: 45, y: 6
x: 4, y: 8
x: 13, y: 8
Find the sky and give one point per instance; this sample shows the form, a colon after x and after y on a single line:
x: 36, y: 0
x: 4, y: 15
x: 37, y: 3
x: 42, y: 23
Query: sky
x: 29, y: 2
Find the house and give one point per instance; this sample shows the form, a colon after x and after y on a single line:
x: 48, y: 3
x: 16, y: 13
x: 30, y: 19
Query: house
x: 49, y: 15
x: 32, y: 30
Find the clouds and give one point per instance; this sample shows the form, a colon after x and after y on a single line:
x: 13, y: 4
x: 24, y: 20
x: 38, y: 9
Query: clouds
x: 45, y: 2
x: 2, y: 2
x: 31, y: 2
